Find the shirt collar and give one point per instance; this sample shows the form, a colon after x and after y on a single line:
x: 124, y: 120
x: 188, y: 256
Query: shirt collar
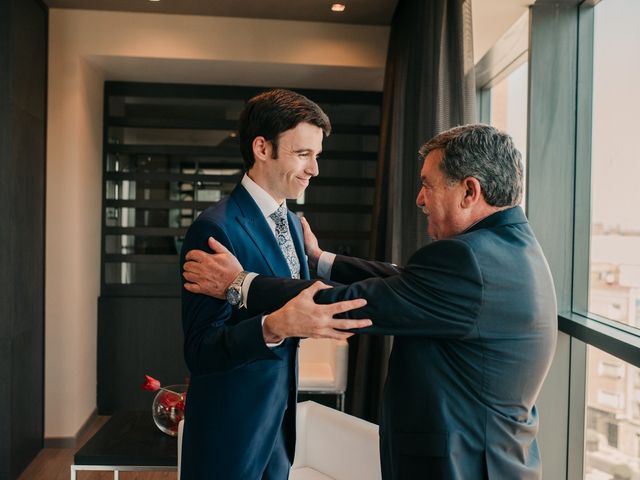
x: 265, y: 202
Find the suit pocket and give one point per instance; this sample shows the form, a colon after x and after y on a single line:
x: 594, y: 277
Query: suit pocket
x: 421, y: 455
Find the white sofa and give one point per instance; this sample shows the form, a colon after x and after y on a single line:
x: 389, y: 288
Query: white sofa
x: 330, y: 445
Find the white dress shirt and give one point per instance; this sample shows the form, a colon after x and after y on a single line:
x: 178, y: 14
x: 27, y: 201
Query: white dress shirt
x: 267, y: 205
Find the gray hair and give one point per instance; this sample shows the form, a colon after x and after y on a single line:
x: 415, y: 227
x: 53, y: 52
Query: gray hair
x: 485, y: 153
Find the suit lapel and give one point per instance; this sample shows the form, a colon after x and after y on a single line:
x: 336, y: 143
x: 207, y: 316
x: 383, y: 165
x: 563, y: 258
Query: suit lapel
x: 298, y: 241
x: 258, y: 230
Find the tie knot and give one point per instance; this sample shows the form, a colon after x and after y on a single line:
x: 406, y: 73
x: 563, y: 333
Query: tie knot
x: 280, y: 213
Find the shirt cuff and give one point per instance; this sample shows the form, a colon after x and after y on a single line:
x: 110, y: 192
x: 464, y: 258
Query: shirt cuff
x: 270, y: 345
x: 244, y: 289
x: 325, y: 263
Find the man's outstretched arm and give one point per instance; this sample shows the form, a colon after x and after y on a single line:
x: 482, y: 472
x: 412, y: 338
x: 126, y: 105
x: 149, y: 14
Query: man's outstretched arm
x: 210, y: 275
x: 438, y: 294
x: 339, y: 268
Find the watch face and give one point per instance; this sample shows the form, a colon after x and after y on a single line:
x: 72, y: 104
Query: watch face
x: 233, y: 296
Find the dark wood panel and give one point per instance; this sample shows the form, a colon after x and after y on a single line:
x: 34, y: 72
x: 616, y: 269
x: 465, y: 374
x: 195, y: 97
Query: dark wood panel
x: 23, y: 53
x: 25, y: 213
x: 234, y: 178
x: 137, y: 336
x: 173, y: 90
x: 145, y: 231
x: 213, y: 151
x: 27, y: 392
x: 184, y: 150
x: 142, y: 290
x: 5, y: 404
x: 28, y: 64
x: 142, y: 258
x: 173, y: 122
x: 171, y: 177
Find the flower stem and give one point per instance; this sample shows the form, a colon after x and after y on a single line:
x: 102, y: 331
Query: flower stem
x: 171, y: 391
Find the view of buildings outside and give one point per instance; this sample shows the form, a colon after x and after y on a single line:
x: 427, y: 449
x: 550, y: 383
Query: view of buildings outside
x: 613, y: 386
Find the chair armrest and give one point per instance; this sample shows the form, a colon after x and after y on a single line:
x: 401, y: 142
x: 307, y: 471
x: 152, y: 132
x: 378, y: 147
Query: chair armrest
x: 180, y: 430
x: 335, y: 444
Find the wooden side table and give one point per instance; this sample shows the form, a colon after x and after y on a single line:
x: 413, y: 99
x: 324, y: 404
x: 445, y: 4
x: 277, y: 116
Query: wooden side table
x: 129, y: 441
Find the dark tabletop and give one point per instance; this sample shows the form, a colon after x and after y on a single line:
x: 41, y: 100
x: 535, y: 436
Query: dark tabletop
x: 129, y: 438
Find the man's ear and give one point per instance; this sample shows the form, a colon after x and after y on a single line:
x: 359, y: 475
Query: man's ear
x: 472, y: 192
x: 261, y: 148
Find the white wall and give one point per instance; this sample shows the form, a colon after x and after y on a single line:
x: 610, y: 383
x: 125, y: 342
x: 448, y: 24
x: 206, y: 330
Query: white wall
x: 88, y: 47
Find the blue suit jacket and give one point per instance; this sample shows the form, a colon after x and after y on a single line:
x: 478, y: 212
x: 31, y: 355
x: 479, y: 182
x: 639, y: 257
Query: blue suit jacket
x: 475, y: 323
x: 241, y: 394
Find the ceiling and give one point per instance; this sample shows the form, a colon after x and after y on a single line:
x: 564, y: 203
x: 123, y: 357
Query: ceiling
x: 491, y: 18
x: 366, y: 12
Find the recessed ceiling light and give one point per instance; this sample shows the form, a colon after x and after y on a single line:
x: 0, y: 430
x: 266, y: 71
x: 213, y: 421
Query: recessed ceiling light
x: 154, y: 0
x: 338, y: 7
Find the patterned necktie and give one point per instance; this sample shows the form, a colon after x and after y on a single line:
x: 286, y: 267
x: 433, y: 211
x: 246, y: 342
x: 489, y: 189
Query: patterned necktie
x: 283, y: 236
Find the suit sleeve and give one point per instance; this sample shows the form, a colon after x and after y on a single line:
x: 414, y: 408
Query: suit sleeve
x: 347, y: 270
x: 438, y: 294
x: 213, y: 341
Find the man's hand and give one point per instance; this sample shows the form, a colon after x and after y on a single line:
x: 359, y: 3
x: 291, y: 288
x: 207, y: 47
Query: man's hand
x: 302, y: 317
x: 210, y: 273
x: 311, y: 246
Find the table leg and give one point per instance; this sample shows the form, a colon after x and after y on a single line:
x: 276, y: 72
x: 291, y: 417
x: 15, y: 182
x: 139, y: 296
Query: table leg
x: 73, y: 472
x: 116, y: 475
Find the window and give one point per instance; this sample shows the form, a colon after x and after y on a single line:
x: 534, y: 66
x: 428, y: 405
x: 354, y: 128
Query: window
x: 502, y: 78
x: 614, y: 289
x: 508, y: 110
x: 610, y: 369
x: 612, y: 426
x: 581, y: 168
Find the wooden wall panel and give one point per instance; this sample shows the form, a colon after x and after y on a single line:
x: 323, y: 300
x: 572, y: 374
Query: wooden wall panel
x: 23, y: 83
x: 137, y: 336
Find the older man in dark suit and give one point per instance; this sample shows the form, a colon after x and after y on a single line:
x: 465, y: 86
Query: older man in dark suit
x: 474, y: 315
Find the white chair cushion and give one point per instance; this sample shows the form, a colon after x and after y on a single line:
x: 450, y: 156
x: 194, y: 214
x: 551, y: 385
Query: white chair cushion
x: 336, y: 445
x: 315, y: 376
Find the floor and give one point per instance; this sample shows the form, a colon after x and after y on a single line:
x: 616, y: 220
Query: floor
x: 55, y: 463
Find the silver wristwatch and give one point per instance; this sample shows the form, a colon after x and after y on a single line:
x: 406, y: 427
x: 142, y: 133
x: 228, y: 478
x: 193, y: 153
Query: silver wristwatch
x: 234, y: 291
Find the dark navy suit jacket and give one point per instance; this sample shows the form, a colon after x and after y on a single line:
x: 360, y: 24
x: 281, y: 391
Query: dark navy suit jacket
x: 242, y: 394
x: 475, y: 325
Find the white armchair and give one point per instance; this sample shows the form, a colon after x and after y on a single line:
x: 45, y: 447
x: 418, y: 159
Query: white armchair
x: 331, y: 445
x: 322, y: 367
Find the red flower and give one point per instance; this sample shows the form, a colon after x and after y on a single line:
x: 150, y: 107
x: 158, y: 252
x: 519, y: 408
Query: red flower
x: 170, y: 399
x: 151, y: 384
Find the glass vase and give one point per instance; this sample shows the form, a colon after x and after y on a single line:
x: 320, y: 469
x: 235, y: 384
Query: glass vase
x: 168, y: 408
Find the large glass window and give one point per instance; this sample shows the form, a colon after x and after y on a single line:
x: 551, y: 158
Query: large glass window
x: 612, y: 436
x: 614, y: 286
x: 509, y: 108
x: 613, y: 418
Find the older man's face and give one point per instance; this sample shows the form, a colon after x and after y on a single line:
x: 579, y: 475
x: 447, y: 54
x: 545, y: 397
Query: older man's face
x: 440, y: 201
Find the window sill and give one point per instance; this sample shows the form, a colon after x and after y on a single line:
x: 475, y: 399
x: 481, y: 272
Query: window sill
x: 617, y: 340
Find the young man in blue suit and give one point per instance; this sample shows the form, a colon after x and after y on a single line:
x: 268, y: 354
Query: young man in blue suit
x: 473, y: 314
x: 240, y: 412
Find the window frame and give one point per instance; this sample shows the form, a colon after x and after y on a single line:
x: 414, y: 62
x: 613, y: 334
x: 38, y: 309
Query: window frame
x: 615, y: 338
x: 558, y: 204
